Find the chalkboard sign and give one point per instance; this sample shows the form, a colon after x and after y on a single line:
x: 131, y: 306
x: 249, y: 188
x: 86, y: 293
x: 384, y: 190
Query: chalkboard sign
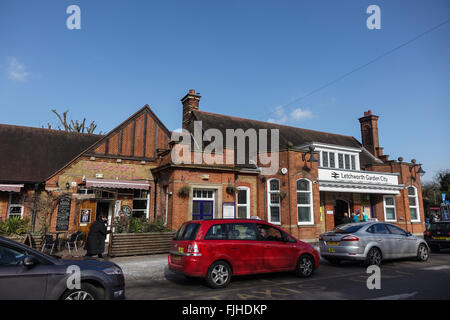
x: 62, y: 219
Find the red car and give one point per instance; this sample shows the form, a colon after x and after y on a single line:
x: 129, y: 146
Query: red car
x: 218, y: 249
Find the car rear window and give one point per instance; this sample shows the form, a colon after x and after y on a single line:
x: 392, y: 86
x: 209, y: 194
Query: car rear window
x: 442, y: 227
x: 348, y: 228
x: 187, y: 231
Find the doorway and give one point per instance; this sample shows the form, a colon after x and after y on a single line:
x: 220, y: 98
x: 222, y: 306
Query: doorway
x: 105, y: 208
x: 340, y: 207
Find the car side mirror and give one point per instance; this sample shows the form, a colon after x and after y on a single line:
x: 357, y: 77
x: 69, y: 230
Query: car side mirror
x: 29, y: 261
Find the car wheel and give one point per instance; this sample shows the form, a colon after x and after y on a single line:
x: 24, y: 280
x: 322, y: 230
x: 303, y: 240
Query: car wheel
x: 305, y: 266
x: 87, y: 292
x: 422, y: 253
x: 373, y: 257
x: 435, y: 248
x: 219, y: 275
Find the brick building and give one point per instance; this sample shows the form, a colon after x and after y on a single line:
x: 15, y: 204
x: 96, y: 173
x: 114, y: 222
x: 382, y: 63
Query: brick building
x: 319, y: 177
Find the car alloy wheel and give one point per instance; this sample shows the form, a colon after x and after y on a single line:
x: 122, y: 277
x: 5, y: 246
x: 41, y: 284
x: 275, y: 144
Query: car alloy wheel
x: 374, y: 257
x: 79, y: 295
x: 305, y: 266
x: 422, y: 253
x: 219, y: 275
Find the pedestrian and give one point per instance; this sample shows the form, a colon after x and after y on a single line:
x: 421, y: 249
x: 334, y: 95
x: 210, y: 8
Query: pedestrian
x: 346, y: 218
x: 124, y: 221
x: 95, y: 243
x: 355, y: 217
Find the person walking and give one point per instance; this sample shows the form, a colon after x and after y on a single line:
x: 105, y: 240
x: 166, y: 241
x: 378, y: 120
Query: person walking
x: 95, y: 243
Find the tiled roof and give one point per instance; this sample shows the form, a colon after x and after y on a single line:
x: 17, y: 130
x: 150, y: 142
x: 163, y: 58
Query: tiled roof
x: 32, y: 154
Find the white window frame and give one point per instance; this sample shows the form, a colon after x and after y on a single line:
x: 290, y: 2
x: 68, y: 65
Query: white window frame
x: 310, y: 205
x: 147, y: 209
x: 10, y: 205
x: 389, y: 206
x: 247, y: 205
x: 270, y: 204
x: 417, y: 204
x: 347, y: 165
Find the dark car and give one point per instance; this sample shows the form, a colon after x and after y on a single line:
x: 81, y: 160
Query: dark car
x: 437, y: 235
x: 28, y: 274
x: 219, y: 249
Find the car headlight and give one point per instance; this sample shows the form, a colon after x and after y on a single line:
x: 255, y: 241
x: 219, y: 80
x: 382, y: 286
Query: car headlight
x: 113, y: 270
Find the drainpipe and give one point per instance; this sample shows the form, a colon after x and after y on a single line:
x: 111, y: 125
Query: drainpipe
x: 33, y: 218
x: 154, y: 206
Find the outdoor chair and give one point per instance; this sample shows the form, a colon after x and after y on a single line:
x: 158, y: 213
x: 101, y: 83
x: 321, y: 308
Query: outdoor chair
x: 48, y: 243
x: 72, y: 241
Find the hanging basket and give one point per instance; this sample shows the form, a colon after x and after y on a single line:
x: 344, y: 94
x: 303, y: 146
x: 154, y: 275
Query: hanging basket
x: 231, y: 189
x: 184, y: 191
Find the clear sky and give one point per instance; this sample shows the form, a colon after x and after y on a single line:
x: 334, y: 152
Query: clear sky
x: 247, y: 58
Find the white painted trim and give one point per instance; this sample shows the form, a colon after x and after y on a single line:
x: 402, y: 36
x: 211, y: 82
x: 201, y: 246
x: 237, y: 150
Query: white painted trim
x: 311, y: 204
x: 417, y: 207
x: 247, y: 191
x: 329, y: 146
x: 384, y: 207
x: 269, y: 215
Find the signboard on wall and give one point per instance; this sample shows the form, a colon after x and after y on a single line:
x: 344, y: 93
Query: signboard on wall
x: 228, y: 211
x: 337, y: 175
x: 63, y: 215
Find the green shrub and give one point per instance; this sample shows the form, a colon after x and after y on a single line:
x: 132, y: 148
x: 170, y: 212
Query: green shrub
x: 139, y: 225
x: 15, y: 226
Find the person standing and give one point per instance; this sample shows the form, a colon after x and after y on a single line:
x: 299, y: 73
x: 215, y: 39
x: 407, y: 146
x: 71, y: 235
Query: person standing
x: 346, y: 218
x: 95, y: 243
x: 355, y: 217
x: 124, y: 221
x: 365, y: 217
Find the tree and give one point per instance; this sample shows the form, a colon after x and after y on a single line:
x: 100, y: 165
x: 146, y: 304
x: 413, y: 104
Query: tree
x: 71, y: 125
x: 443, y: 178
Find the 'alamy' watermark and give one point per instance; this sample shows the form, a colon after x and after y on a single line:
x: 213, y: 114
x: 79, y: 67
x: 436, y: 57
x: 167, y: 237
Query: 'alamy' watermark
x: 241, y: 147
x: 74, y: 20
x: 74, y: 280
x: 374, y: 20
x: 374, y: 280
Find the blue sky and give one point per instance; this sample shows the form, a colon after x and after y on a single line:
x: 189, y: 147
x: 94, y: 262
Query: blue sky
x: 247, y: 58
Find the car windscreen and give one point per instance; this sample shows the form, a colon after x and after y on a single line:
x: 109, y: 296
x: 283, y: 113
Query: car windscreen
x: 187, y: 231
x: 348, y: 228
x: 441, y: 227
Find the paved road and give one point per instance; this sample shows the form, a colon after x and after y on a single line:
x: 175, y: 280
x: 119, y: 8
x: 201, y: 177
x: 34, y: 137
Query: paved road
x: 405, y: 279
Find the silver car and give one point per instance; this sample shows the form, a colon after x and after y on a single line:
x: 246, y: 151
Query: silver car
x: 371, y: 242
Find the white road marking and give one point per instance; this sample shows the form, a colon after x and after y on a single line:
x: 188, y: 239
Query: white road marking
x: 436, y: 268
x: 398, y: 296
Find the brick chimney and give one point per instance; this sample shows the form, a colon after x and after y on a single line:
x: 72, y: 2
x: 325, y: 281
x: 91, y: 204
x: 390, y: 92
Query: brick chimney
x: 190, y: 102
x: 369, y: 134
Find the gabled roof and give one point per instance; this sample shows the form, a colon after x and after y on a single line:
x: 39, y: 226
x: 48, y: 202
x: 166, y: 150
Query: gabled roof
x: 30, y: 155
x: 297, y: 136
x: 137, y: 138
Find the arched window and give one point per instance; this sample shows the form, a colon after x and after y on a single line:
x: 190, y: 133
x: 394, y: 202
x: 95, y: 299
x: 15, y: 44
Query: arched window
x: 413, y: 204
x: 305, y: 212
x: 273, y: 199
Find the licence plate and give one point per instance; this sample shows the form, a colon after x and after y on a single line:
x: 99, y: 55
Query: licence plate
x: 180, y: 249
x: 441, y: 238
x: 331, y: 250
x: 333, y: 243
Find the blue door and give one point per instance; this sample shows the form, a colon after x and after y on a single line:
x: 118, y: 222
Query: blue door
x: 202, y: 210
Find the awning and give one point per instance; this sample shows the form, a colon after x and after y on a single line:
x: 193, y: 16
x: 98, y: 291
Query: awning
x: 11, y: 187
x: 120, y: 184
